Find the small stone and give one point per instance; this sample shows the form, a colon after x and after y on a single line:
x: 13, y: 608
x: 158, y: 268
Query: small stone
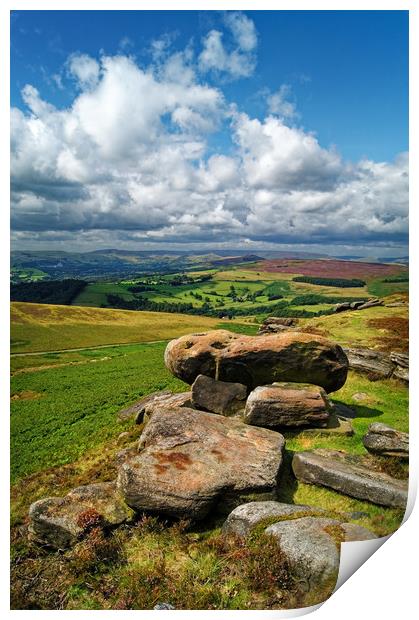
x: 386, y: 441
x: 163, y: 606
x: 360, y: 397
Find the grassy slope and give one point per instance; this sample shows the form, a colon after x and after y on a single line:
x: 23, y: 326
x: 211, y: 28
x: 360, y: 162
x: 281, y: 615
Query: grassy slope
x: 40, y: 327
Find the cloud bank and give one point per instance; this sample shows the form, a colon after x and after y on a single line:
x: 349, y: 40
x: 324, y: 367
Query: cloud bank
x: 132, y: 160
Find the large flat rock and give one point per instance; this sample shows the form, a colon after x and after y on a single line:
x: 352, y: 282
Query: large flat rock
x: 258, y: 360
x: 189, y: 460
x: 349, y: 475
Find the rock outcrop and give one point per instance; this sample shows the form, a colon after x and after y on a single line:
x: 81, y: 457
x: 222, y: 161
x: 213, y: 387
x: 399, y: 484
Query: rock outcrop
x: 218, y: 396
x: 378, y: 365
x: 258, y: 360
x: 287, y: 404
x: 275, y: 325
x: 386, y: 441
x: 357, y: 305
x: 60, y: 521
x: 191, y: 460
x: 349, y: 475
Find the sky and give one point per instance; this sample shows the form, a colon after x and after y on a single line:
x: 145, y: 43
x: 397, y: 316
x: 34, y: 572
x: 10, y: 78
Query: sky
x: 208, y: 129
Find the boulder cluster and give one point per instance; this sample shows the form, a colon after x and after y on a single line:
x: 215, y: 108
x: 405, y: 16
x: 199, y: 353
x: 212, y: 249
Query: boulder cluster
x: 358, y: 305
x: 219, y: 446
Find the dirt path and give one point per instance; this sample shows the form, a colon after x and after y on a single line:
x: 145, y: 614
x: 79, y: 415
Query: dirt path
x: 19, y: 371
x: 98, y: 346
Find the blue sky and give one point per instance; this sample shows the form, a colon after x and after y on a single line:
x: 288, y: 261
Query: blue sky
x: 281, y: 116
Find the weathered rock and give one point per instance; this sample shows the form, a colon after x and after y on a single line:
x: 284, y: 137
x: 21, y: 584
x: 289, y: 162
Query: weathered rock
x: 349, y: 475
x: 190, y: 460
x: 353, y: 531
x: 287, y: 404
x: 401, y: 363
x: 311, y: 546
x: 163, y: 606
x: 370, y: 362
x: 361, y: 397
x: 258, y: 360
x: 400, y: 359
x: 245, y: 517
x: 357, y: 305
x: 371, y: 304
x: 386, y: 441
x: 379, y: 365
x: 143, y: 407
x: 402, y: 374
x: 345, y: 305
x: 60, y: 521
x: 133, y: 410
x: 218, y: 396
x: 274, y: 325
x: 167, y: 399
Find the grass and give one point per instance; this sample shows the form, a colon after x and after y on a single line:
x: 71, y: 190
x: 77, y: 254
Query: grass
x: 379, y: 288
x: 77, y: 406
x: 41, y: 327
x: 95, y: 293
x: 356, y: 329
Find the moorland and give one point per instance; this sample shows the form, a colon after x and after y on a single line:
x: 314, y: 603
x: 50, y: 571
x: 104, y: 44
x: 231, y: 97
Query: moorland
x: 74, y: 366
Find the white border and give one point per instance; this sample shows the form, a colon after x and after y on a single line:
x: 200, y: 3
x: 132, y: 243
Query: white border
x: 385, y: 586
